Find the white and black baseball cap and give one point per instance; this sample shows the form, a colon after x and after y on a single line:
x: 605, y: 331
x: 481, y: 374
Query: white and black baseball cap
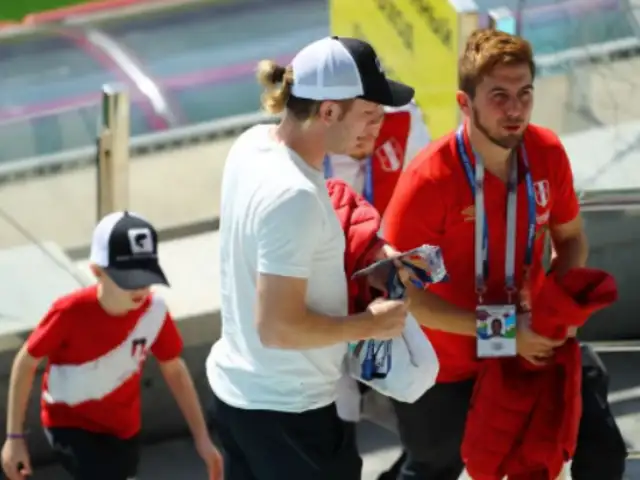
x: 125, y: 246
x: 342, y: 68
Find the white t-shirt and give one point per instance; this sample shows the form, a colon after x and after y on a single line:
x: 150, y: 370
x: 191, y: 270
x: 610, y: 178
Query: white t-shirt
x: 276, y: 218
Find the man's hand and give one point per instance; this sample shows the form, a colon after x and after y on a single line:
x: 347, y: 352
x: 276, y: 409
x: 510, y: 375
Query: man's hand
x: 388, y: 320
x: 15, y: 459
x: 211, y: 457
x: 533, y: 347
x: 378, y: 278
x: 407, y: 276
x: 386, y: 251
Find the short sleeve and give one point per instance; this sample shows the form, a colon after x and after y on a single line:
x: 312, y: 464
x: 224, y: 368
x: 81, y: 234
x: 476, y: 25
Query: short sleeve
x: 287, y: 233
x: 168, y: 344
x: 566, y: 205
x: 416, y: 213
x: 419, y: 136
x: 49, y: 334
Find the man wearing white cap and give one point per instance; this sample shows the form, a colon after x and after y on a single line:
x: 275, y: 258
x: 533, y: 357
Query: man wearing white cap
x: 285, y: 323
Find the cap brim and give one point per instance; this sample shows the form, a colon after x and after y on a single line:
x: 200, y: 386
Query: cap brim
x: 137, y: 278
x: 393, y: 94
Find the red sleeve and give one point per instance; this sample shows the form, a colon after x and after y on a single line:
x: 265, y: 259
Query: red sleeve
x: 169, y: 344
x: 49, y: 334
x: 566, y: 205
x: 416, y: 213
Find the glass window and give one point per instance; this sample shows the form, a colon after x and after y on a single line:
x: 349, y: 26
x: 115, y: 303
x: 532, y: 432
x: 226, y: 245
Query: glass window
x: 219, y: 34
x: 49, y: 94
x: 557, y: 28
x: 207, y: 101
x: 204, y: 56
x: 47, y: 68
x: 57, y: 131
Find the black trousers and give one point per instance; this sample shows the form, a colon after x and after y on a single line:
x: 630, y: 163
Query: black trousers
x: 94, y: 456
x: 431, y: 431
x: 269, y: 445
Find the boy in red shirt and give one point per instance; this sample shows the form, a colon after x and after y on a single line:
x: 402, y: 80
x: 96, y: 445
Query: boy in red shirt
x: 488, y: 194
x: 95, y: 341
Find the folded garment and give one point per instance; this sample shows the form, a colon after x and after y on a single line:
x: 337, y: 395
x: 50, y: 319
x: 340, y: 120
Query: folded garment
x: 524, y: 419
x: 570, y: 299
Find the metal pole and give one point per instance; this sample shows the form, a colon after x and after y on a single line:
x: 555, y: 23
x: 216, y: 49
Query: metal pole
x: 519, y: 16
x: 113, y: 151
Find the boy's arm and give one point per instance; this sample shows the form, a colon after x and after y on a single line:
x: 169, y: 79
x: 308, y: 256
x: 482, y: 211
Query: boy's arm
x: 180, y: 383
x: 45, y: 339
x: 167, y: 349
x: 22, y: 374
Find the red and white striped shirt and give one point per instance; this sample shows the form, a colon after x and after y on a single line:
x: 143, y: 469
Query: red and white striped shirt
x: 92, y: 378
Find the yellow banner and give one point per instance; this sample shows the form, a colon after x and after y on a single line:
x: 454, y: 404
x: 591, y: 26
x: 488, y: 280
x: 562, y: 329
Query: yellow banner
x: 417, y: 41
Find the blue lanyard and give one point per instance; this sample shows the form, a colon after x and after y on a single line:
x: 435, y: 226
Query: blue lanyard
x: 367, y: 192
x: 377, y: 359
x: 476, y: 182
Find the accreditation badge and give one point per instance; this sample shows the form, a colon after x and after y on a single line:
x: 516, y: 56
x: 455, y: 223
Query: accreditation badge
x: 496, y: 331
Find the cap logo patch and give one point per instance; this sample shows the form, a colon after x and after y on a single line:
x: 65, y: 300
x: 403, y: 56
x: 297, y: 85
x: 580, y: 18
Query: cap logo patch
x: 141, y: 241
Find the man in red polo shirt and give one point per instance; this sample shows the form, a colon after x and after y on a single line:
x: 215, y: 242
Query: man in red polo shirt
x: 95, y: 341
x: 487, y: 194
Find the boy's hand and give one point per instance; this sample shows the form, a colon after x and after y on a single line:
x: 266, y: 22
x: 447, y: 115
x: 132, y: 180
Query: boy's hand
x: 211, y: 457
x: 15, y: 459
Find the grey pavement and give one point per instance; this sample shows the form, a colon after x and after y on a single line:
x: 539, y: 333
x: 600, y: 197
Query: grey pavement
x: 177, y: 460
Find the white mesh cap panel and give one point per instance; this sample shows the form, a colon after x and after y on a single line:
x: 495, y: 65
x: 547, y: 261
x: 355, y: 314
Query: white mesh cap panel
x: 325, y: 70
x: 101, y: 235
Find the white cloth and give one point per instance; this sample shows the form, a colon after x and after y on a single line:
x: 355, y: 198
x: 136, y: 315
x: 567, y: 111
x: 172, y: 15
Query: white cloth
x: 349, y: 399
x: 414, y: 366
x: 277, y: 218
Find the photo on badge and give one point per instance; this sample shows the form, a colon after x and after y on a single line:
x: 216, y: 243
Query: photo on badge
x: 496, y: 331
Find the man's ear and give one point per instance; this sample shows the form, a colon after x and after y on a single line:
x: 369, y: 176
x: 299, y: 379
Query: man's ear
x: 464, y: 102
x: 96, y: 270
x: 329, y: 112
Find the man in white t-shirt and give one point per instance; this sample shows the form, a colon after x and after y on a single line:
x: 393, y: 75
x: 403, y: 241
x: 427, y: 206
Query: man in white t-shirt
x: 285, y: 323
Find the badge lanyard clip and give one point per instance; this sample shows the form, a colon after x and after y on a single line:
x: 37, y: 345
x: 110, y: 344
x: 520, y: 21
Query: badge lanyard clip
x: 476, y: 182
x: 377, y: 360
